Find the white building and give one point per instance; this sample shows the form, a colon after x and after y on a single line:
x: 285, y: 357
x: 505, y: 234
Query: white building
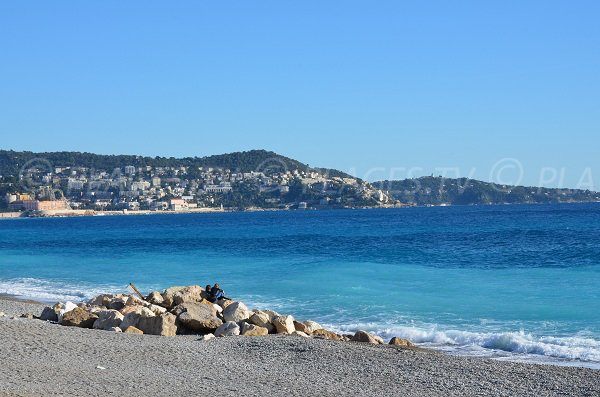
x: 140, y: 185
x: 75, y: 184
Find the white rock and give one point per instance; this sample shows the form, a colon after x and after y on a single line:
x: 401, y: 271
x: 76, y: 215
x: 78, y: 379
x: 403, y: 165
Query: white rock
x: 300, y: 333
x: 236, y: 312
x: 311, y: 326
x: 207, y: 337
x: 133, y: 319
x: 229, y: 328
x: 253, y: 330
x: 284, y: 324
x: 262, y: 319
x: 108, y: 320
x: 68, y: 306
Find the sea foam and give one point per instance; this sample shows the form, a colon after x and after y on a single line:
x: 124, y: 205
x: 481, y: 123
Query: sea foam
x: 537, y: 348
x: 54, y: 291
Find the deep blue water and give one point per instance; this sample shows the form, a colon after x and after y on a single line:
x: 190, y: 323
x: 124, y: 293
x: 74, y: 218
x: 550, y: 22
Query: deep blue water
x: 515, y: 282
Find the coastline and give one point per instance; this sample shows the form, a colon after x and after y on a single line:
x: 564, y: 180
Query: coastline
x: 41, y: 358
x: 94, y: 213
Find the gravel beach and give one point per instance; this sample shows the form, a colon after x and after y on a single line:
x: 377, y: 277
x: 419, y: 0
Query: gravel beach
x: 44, y: 359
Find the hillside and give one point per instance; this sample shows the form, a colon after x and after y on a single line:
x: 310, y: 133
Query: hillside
x: 437, y: 191
x: 252, y: 179
x: 254, y: 160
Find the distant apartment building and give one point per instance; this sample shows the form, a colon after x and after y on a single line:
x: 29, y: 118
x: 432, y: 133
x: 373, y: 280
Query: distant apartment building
x: 129, y: 170
x: 75, y: 184
x: 177, y: 204
x: 132, y: 206
x: 98, y: 185
x: 159, y: 206
x: 141, y: 185
x: 223, y: 187
x: 37, y: 205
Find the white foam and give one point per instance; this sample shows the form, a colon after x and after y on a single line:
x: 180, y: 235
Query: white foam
x: 580, y: 348
x: 53, y: 291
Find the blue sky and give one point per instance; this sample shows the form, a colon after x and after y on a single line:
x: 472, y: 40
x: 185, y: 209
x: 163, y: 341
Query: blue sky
x: 504, y: 91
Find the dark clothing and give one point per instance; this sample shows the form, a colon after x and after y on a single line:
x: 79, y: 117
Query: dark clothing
x: 217, y: 293
x: 214, y: 294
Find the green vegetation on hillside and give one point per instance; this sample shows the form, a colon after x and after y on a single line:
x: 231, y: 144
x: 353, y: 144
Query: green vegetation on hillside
x: 437, y: 191
x: 254, y: 160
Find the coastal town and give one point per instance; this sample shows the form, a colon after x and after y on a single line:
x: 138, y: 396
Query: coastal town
x: 73, y: 183
x: 44, y: 189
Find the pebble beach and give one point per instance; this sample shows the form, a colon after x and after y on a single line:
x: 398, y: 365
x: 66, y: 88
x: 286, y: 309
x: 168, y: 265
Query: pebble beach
x: 45, y: 359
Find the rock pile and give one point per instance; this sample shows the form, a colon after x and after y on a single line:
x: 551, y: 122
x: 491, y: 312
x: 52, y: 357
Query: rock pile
x: 184, y: 311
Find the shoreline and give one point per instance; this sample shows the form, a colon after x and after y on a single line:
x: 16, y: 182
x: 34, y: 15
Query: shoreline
x: 490, y: 354
x: 94, y: 213
x: 41, y: 358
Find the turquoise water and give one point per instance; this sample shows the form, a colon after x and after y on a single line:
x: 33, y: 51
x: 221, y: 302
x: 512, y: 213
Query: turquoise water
x: 512, y: 282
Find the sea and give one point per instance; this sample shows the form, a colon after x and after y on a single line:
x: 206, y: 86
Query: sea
x: 515, y: 282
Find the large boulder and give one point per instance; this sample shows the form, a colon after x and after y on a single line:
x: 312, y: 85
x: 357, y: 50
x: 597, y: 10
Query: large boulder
x: 177, y: 295
x: 163, y: 325
x: 253, y: 330
x: 311, y: 326
x: 229, y: 328
x: 192, y: 293
x: 132, y: 318
x: 155, y: 298
x: 50, y: 313
x: 396, y: 341
x: 101, y: 300
x: 236, y: 312
x: 262, y: 319
x: 198, y: 317
x: 168, y: 295
x: 106, y: 299
x: 284, y: 324
x: 118, y: 302
x: 65, y: 308
x: 365, y: 337
x: 145, y: 311
x: 108, y: 319
x: 300, y: 327
x: 133, y: 330
x: 325, y: 334
x: 79, y: 317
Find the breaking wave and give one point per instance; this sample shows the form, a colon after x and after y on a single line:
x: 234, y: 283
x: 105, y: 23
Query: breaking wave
x: 580, y: 349
x: 519, y: 345
x: 53, y: 291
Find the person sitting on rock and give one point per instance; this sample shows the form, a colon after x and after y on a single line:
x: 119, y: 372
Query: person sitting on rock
x: 209, y: 294
x: 217, y: 293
